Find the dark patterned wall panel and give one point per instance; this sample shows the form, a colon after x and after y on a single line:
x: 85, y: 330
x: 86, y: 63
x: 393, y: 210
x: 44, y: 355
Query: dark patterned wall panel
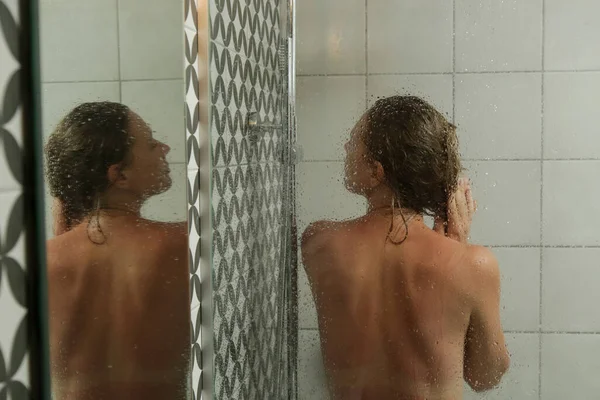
x: 267, y: 303
x: 247, y: 239
x: 250, y: 28
x: 239, y: 86
x: 233, y: 237
x: 14, y: 346
x: 246, y: 202
x: 248, y: 281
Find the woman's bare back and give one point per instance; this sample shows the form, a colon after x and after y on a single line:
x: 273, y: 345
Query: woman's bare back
x: 393, y: 318
x: 119, y: 311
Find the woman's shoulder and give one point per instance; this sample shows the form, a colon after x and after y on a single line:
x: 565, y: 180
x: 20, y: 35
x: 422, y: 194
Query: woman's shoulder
x: 170, y: 227
x: 168, y: 232
x: 316, y: 230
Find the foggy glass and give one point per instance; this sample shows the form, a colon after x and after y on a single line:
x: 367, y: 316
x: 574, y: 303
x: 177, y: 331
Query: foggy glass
x: 386, y: 308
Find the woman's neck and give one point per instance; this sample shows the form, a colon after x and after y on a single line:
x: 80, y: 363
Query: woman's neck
x: 384, y: 200
x: 379, y: 199
x: 121, y: 204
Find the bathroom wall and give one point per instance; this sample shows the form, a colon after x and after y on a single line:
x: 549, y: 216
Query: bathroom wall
x: 521, y: 80
x: 248, y: 263
x: 125, y: 51
x: 15, y: 309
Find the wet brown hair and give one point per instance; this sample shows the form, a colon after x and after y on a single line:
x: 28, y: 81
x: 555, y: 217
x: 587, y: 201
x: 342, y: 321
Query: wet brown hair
x: 88, y: 140
x: 418, y: 149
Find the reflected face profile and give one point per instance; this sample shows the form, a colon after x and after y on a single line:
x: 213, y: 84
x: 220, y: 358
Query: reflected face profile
x: 148, y: 172
x: 103, y: 153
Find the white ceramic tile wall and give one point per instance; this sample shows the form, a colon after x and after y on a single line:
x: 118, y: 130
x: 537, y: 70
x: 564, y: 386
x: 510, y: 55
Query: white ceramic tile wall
x: 570, y: 366
x: 331, y: 37
x: 522, y: 81
x: 520, y: 288
x: 573, y: 272
x: 328, y: 107
x: 569, y: 101
x: 119, y: 50
x: 508, y: 194
x: 409, y: 36
x: 307, y: 312
x: 79, y: 40
x: 495, y: 111
x: 322, y: 193
x: 151, y: 39
x: 571, y: 35
x: 571, y: 214
x: 159, y: 103
x: 498, y: 35
x: 311, y: 375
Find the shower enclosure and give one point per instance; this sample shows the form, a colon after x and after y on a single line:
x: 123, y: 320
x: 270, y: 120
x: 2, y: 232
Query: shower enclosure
x: 521, y: 80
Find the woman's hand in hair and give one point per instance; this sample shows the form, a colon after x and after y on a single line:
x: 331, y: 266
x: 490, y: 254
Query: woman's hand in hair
x: 461, y: 207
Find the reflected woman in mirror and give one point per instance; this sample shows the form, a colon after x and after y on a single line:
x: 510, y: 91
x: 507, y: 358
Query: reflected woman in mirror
x: 405, y: 311
x: 118, y: 283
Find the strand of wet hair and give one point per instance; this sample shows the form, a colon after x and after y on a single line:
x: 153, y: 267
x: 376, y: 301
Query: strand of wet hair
x: 404, y: 220
x: 99, y: 227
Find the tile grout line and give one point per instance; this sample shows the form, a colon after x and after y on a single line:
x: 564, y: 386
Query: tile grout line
x: 115, y: 80
x: 508, y: 72
x: 454, y: 62
x: 543, y: 27
x: 119, y: 53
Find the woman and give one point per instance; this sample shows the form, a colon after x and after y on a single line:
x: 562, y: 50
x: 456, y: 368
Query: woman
x: 405, y: 312
x: 118, y: 283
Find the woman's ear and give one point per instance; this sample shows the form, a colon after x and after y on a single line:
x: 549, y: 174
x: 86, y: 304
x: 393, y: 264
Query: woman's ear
x: 378, y: 173
x: 116, y: 177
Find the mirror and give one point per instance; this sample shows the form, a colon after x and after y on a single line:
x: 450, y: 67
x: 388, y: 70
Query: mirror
x: 116, y: 184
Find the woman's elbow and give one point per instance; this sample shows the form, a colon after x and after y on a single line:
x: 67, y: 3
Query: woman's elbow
x: 491, y: 378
